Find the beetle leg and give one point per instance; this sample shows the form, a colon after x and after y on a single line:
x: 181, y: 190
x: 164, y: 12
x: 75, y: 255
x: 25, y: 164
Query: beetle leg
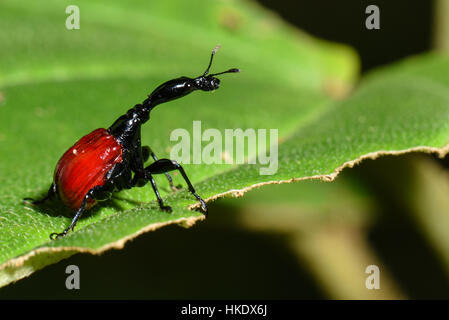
x: 99, y: 193
x: 50, y: 194
x: 166, y: 165
x: 146, y: 152
x: 163, y: 207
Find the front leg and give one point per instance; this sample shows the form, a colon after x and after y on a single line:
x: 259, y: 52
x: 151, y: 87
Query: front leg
x: 158, y: 196
x: 167, y: 165
x: 146, y: 153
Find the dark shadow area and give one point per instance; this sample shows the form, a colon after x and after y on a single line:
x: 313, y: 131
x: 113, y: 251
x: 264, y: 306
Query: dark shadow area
x: 54, y: 207
x: 405, y: 26
x: 396, y: 237
x: 208, y: 261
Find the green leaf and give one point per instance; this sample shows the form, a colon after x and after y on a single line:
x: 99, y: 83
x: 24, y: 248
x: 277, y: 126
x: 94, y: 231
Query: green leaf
x: 58, y: 85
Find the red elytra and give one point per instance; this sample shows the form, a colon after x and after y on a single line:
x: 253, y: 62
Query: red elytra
x: 85, y: 166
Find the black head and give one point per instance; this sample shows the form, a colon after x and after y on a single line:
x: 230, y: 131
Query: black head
x: 179, y: 87
x: 208, y: 82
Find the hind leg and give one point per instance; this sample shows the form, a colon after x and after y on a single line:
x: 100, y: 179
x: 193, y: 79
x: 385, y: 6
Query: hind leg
x: 146, y: 153
x: 50, y: 194
x: 99, y: 193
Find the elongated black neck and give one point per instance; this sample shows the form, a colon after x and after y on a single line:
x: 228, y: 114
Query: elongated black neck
x: 126, y: 129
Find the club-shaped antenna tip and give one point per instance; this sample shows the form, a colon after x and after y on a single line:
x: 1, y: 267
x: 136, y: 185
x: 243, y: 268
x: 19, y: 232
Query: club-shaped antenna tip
x: 218, y: 46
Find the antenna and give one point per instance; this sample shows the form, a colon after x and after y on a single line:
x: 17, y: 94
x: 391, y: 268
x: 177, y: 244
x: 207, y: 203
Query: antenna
x: 227, y: 71
x: 233, y: 70
x: 211, y: 58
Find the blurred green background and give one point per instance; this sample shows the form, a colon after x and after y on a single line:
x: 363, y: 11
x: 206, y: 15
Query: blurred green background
x: 307, y: 239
